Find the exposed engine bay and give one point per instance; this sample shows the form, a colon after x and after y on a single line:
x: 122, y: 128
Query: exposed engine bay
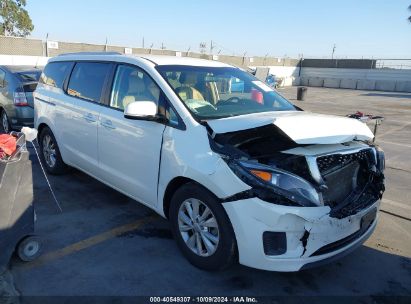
x: 347, y: 177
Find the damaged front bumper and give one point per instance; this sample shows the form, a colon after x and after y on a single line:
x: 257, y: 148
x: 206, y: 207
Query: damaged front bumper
x: 310, y: 234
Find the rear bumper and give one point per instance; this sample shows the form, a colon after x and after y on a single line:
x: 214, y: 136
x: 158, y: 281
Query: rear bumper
x: 312, y: 236
x: 23, y: 117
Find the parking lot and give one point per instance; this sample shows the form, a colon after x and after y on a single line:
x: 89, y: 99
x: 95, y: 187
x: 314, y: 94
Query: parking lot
x: 104, y: 243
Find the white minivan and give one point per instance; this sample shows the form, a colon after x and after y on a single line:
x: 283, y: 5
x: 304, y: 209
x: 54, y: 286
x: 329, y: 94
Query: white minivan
x: 240, y: 172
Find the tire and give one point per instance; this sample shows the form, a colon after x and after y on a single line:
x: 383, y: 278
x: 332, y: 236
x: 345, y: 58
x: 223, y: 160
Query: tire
x: 50, y: 153
x: 29, y: 248
x: 225, y: 249
x: 5, y: 126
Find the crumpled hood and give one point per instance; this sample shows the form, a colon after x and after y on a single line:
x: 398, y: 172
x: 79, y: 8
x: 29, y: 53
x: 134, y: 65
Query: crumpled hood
x: 302, y: 127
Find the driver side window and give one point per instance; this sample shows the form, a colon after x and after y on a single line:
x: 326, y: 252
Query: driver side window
x: 131, y: 84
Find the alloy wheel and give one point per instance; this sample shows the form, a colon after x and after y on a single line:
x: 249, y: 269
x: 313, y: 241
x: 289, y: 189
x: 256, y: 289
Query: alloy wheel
x: 49, y: 151
x: 198, y: 227
x: 5, y: 122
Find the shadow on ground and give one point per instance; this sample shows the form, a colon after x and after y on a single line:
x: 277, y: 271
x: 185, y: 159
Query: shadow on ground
x: 394, y: 95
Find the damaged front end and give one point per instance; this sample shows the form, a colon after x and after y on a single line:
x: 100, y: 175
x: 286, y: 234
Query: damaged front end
x: 347, y: 177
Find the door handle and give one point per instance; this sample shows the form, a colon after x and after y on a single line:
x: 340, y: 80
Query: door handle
x: 89, y: 117
x: 108, y: 124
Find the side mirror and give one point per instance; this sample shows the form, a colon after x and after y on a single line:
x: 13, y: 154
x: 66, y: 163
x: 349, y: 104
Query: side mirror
x: 141, y: 110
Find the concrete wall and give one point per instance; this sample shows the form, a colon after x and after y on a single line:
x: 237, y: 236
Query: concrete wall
x: 361, y: 79
x: 339, y: 63
x: 36, y: 47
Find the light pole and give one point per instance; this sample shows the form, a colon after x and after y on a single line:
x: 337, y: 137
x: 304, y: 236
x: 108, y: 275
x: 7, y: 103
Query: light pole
x: 332, y: 55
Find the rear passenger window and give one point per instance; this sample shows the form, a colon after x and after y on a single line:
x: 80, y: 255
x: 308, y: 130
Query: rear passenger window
x: 55, y: 73
x: 87, y: 80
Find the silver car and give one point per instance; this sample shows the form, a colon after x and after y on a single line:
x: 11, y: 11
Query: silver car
x: 17, y: 84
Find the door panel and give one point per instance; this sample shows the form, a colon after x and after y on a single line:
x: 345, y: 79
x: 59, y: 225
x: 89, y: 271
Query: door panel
x: 85, y: 91
x: 81, y: 137
x: 129, y: 150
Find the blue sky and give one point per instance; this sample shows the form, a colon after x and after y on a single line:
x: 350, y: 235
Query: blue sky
x: 369, y: 28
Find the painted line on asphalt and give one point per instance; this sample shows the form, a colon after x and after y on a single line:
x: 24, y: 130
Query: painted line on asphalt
x: 395, y: 204
x: 396, y: 215
x: 392, y: 143
x: 394, y: 130
x: 86, y: 243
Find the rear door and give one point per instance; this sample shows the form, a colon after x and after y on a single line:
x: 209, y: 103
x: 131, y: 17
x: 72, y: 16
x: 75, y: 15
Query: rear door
x: 52, y: 105
x: 129, y: 150
x: 85, y: 90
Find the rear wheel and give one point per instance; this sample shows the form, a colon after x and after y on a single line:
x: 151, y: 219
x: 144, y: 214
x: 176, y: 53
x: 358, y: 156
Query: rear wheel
x: 50, y: 153
x: 202, y: 228
x: 5, y: 123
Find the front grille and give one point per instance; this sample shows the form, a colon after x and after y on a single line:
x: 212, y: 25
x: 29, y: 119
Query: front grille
x: 340, y: 183
x: 351, y: 184
x: 329, y: 163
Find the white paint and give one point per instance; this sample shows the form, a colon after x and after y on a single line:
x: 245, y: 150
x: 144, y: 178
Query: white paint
x: 23, y: 60
x: 252, y: 217
x: 141, y: 109
x: 302, y: 127
x: 128, y: 51
x: 281, y: 71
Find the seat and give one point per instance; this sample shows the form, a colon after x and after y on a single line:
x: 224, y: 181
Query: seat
x: 187, y: 89
x: 137, y: 91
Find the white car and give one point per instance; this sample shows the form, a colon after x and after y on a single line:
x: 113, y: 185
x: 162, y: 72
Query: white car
x: 242, y: 176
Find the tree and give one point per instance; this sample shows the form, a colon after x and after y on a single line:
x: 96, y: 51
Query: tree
x: 14, y: 19
x: 409, y: 18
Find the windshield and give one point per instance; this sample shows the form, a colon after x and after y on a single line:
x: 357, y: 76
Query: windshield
x: 218, y: 92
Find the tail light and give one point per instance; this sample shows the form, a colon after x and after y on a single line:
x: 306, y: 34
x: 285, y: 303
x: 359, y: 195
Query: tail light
x: 20, y: 99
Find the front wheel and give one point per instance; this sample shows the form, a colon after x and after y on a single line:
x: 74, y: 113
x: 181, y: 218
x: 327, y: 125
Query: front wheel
x: 202, y: 228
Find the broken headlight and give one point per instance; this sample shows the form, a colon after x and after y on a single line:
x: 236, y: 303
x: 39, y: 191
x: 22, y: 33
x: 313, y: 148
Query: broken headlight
x: 292, y: 187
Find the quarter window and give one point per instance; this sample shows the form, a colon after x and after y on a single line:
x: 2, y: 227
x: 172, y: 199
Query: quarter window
x: 87, y: 80
x: 55, y: 73
x: 132, y: 84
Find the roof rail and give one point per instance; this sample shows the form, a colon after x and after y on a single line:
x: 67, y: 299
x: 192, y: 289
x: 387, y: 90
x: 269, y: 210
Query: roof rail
x: 91, y: 53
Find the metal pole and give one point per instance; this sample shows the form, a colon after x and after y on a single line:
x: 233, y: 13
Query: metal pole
x: 47, y: 46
